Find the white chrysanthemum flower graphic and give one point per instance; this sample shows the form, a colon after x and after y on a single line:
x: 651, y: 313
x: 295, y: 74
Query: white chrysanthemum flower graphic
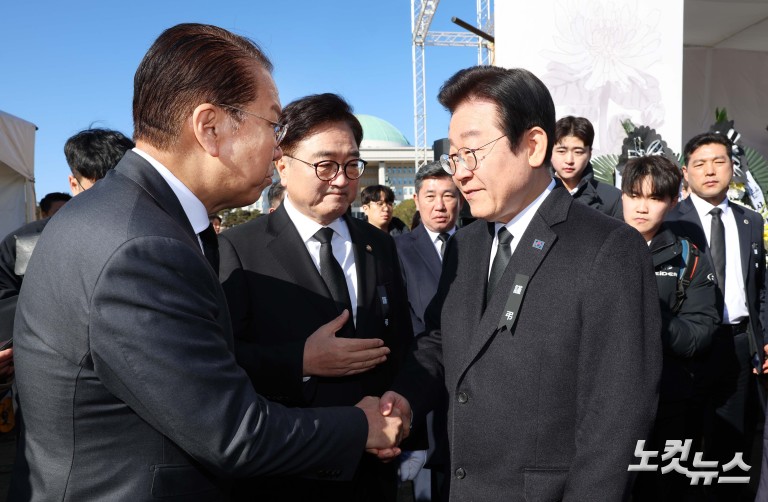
x: 605, y: 43
x: 603, y: 49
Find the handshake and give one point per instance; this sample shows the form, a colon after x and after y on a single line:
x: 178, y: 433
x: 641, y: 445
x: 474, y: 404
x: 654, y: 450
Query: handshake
x: 389, y: 422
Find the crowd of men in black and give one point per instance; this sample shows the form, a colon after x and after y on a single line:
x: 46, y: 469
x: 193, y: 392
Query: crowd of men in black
x: 536, y: 354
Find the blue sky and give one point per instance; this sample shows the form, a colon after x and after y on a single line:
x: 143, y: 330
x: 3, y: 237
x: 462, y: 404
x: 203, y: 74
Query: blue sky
x: 69, y: 65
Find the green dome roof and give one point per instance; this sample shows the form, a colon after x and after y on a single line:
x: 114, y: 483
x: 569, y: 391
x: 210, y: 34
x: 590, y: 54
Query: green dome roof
x: 378, y: 133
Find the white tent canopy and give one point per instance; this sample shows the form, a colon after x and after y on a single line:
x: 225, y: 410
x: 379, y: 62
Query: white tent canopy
x: 17, y: 172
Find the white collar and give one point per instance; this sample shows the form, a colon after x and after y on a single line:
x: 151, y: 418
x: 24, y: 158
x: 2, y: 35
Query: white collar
x: 703, y: 207
x: 193, y: 208
x: 433, y: 235
x: 307, y: 227
x: 519, y: 223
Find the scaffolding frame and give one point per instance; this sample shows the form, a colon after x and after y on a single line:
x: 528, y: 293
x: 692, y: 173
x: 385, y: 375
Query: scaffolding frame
x: 423, y: 12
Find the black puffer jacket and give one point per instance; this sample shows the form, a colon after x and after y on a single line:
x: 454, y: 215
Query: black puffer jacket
x: 688, y: 333
x: 598, y: 195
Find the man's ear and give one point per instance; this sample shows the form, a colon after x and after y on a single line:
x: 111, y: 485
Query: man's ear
x: 209, y: 124
x: 536, y: 146
x: 74, y: 186
x: 281, y: 165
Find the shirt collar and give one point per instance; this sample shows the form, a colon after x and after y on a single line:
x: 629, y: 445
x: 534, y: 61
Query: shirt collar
x: 193, y: 208
x: 433, y: 235
x: 308, y: 227
x: 703, y: 207
x: 519, y: 223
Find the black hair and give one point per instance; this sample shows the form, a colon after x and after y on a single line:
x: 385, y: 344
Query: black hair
x: 575, y: 126
x: 304, y: 115
x: 522, y: 100
x: 48, y: 200
x: 374, y: 193
x: 92, y: 152
x: 706, y: 138
x: 664, y: 176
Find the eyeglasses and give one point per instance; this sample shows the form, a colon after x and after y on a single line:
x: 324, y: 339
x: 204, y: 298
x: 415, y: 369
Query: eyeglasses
x: 327, y: 170
x: 279, y: 129
x: 465, y: 158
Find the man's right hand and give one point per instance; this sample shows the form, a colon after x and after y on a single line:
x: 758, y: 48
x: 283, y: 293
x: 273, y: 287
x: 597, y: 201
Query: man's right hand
x: 6, y: 363
x: 384, y: 433
x: 328, y: 356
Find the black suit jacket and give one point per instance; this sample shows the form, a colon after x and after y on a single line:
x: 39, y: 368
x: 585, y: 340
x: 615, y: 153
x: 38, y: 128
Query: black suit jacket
x: 277, y: 298
x: 127, y: 382
x: 684, y: 220
x: 421, y: 268
x: 552, y: 408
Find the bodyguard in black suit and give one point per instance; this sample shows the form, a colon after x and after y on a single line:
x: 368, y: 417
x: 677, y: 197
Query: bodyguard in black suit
x: 733, y: 240
x: 126, y: 376
x: 284, y: 279
x: 545, y: 326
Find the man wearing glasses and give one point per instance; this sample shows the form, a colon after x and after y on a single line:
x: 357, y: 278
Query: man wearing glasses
x: 305, y: 265
x: 545, y: 325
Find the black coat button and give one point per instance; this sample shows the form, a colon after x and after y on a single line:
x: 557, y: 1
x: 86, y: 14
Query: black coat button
x: 460, y: 473
x: 462, y: 397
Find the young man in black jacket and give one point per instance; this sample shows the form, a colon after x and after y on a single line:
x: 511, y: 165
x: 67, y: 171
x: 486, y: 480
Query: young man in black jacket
x: 570, y: 161
x: 687, y: 296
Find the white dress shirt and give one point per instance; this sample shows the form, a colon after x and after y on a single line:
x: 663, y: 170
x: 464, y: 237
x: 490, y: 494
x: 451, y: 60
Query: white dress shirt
x: 735, y: 297
x: 341, y: 244
x: 433, y: 236
x: 193, y: 208
x: 517, y: 225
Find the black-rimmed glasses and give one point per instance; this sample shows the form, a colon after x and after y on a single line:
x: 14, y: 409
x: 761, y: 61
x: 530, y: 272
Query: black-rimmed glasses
x: 465, y: 158
x: 327, y: 170
x: 279, y: 129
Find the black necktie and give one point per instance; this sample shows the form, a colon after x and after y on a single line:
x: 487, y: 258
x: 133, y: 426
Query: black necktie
x: 331, y: 271
x: 500, y: 261
x: 443, y: 238
x: 717, y: 247
x: 210, y: 246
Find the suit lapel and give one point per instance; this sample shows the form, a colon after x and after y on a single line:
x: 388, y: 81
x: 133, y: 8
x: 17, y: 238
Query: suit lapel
x: 534, y: 245
x: 426, y: 250
x: 685, y: 221
x: 137, y: 169
x: 745, y: 238
x: 291, y: 253
x: 365, y: 264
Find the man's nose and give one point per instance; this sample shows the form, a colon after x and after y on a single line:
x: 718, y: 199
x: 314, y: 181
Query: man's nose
x: 462, y: 173
x: 341, y: 179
